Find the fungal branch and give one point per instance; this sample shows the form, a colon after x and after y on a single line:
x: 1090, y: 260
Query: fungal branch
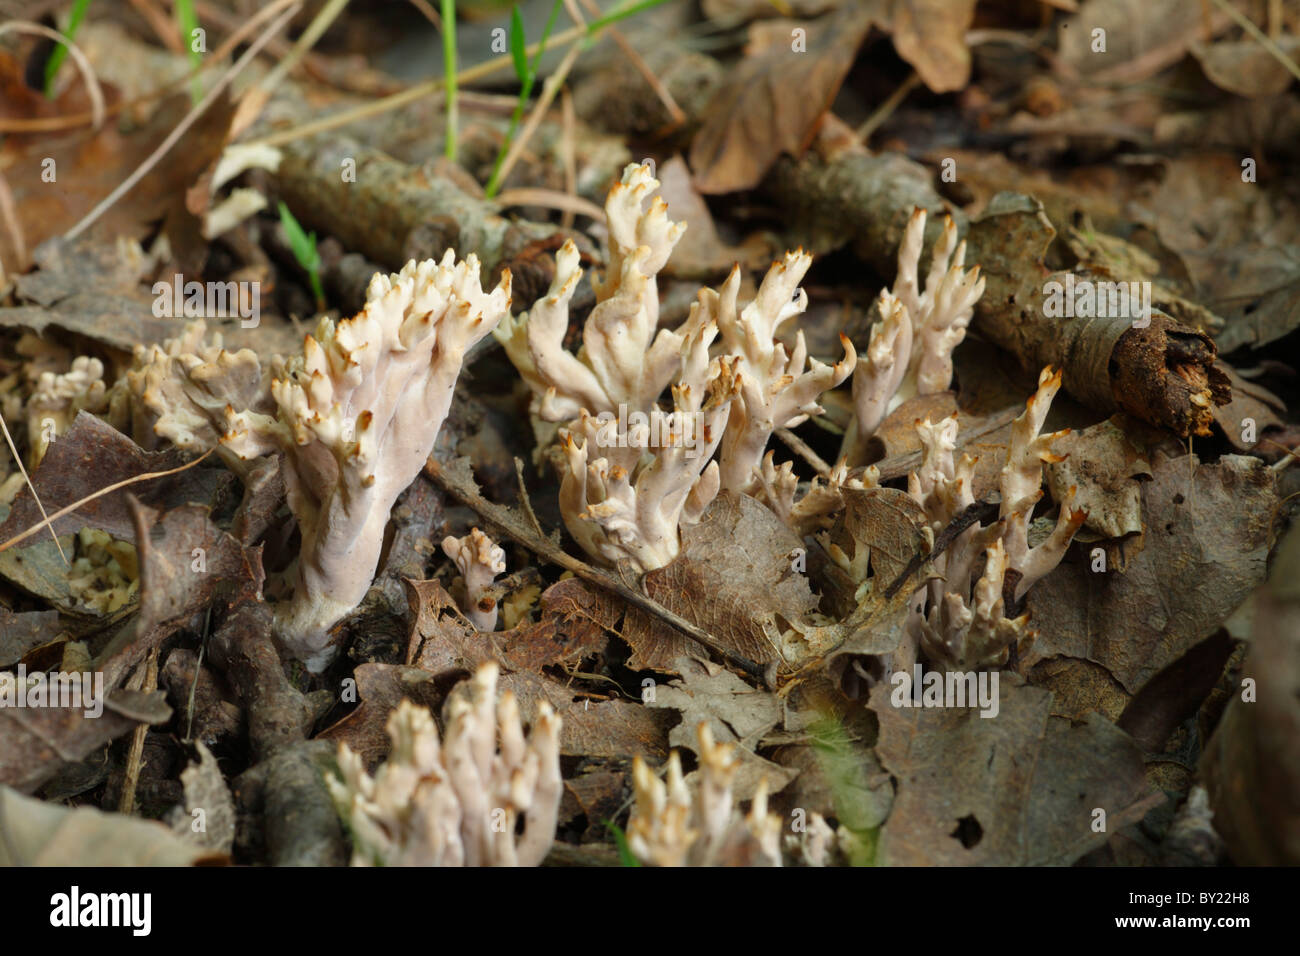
x: 357, y: 415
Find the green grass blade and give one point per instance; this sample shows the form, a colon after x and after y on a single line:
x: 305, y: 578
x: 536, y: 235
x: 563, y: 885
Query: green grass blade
x: 527, y: 79
x: 617, y: 15
x: 518, y: 45
x: 61, y: 51
x: 449, y: 75
x: 303, y: 246
x: 189, y: 21
x: 625, y: 855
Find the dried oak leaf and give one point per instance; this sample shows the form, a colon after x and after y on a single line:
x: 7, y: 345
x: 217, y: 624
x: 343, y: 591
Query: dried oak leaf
x: 19, y: 633
x: 93, y: 455
x: 736, y: 713
x: 36, y: 742
x: 1207, y: 537
x: 1102, y: 465
x: 931, y: 35
x: 186, y: 563
x: 1251, y: 765
x: 574, y: 622
x: 734, y: 579
x: 205, y: 790
x: 1019, y: 789
x: 771, y: 103
x: 46, y: 834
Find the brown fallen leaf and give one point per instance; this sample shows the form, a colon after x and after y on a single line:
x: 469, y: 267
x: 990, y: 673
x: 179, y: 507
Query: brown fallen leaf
x: 45, y: 834
x: 1018, y: 789
x: 1102, y: 466
x: 574, y: 622
x: 887, y: 525
x: 92, y: 288
x: 931, y: 35
x: 1207, y: 537
x: 599, y: 795
x: 19, y: 633
x: 1252, y: 411
x: 378, y: 689
x: 737, y: 714
x: 771, y: 102
x: 592, y: 727
x: 734, y: 578
x: 1141, y: 39
x: 1176, y: 693
x: 207, y: 817
x: 1245, y: 67
x: 91, y: 165
x: 186, y: 563
x: 36, y: 742
x: 93, y: 455
x: 1251, y: 765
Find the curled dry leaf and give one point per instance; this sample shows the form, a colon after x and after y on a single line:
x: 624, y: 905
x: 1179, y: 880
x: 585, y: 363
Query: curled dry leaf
x: 1251, y: 765
x: 735, y: 712
x: 45, y: 834
x: 931, y: 35
x: 735, y: 578
x: 1206, y: 542
x: 1018, y: 790
x: 186, y: 562
x: 36, y: 742
x: 772, y: 101
x: 207, y: 801
x: 1103, y: 466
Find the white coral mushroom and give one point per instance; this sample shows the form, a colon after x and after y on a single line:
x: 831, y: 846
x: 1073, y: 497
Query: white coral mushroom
x: 180, y: 391
x: 58, y: 397
x: 628, y: 486
x: 625, y: 360
x: 776, y: 391
x: 910, y: 350
x: 778, y: 486
x: 671, y: 825
x: 963, y: 626
x: 479, y: 561
x: 1021, y: 486
x: 456, y: 801
x: 357, y: 417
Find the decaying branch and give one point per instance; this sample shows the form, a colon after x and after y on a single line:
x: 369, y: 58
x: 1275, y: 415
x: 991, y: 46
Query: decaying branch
x: 1139, y: 361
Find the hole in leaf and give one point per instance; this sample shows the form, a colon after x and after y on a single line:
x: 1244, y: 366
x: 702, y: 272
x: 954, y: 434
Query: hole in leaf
x: 968, y: 831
